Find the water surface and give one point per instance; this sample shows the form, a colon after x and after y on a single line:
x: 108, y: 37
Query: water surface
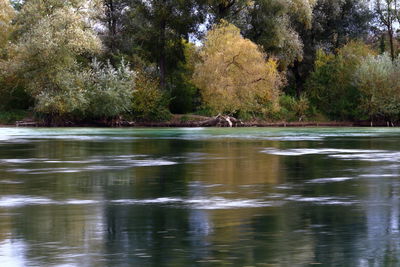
x: 199, y: 197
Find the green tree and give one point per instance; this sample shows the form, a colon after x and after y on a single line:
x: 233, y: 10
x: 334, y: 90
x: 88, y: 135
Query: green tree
x: 269, y: 23
x: 233, y: 74
x: 229, y: 10
x: 54, y: 39
x: 154, y: 31
x: 334, y: 23
x: 331, y: 88
x: 388, y: 13
x: 184, y: 94
x: 7, y: 13
x: 112, y: 18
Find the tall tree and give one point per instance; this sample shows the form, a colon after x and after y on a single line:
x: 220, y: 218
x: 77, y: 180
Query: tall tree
x: 272, y: 26
x: 112, y: 19
x: 388, y: 13
x: 154, y: 30
x: 334, y: 24
x: 269, y: 23
x: 229, y: 10
x: 54, y: 38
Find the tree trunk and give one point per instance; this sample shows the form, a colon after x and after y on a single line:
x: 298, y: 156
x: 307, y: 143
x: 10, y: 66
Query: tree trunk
x: 111, y: 23
x: 223, y: 9
x: 390, y: 32
x: 162, y: 59
x: 298, y: 78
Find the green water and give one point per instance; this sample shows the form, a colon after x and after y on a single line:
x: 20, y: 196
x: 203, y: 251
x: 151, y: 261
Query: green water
x: 199, y: 197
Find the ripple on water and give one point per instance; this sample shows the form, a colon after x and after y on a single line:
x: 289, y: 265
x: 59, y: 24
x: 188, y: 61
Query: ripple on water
x: 343, y: 154
x: 17, y: 200
x: 317, y: 151
x: 322, y: 200
x: 373, y: 156
x: 329, y: 180
x: 10, y: 182
x: 117, y: 163
x: 203, y: 203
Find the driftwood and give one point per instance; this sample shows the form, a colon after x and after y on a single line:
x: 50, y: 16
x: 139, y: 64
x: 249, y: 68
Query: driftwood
x: 26, y: 123
x: 221, y: 121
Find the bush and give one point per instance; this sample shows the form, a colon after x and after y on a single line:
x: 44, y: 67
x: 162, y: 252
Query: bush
x: 292, y: 109
x: 67, y: 95
x: 109, y: 89
x: 149, y: 103
x: 378, y: 79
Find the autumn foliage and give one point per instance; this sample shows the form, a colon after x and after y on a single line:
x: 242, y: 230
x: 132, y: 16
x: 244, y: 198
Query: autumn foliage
x: 234, y: 74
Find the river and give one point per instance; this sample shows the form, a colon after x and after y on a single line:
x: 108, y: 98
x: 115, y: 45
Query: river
x: 199, y: 197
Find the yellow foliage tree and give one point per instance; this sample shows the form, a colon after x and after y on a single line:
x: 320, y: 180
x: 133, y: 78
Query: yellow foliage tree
x: 234, y: 74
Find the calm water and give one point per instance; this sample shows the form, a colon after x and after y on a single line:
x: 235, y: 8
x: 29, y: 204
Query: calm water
x: 199, y: 197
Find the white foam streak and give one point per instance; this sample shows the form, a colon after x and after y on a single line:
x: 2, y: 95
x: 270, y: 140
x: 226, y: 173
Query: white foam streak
x: 316, y: 151
x: 378, y: 156
x: 202, y: 203
x: 343, y: 154
x: 16, y: 201
x: 321, y: 200
x: 329, y: 180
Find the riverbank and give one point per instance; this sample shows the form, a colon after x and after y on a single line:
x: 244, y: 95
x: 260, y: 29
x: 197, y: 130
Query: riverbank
x: 191, y: 121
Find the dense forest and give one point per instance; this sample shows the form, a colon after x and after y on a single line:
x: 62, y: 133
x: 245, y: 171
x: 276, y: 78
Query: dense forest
x: 144, y: 60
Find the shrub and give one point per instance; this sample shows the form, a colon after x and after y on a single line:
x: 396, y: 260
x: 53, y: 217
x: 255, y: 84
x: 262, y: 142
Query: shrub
x: 109, y: 90
x: 149, y: 103
x: 378, y: 79
x: 67, y: 95
x: 292, y: 109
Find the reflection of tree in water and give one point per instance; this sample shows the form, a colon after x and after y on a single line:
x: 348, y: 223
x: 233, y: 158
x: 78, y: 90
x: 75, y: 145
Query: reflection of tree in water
x: 54, y: 233
x: 382, y: 207
x: 295, y: 234
x: 233, y: 162
x: 5, y: 226
x: 200, y: 225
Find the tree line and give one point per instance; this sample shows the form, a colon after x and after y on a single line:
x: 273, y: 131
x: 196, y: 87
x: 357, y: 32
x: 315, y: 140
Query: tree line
x: 278, y: 60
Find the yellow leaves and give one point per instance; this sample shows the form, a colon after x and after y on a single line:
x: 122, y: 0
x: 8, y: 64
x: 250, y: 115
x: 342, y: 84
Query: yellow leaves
x: 323, y: 58
x: 233, y: 74
x: 7, y: 12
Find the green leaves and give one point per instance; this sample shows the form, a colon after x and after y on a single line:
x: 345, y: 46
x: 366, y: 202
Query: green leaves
x: 7, y: 13
x: 331, y: 86
x: 378, y: 79
x: 109, y: 90
x: 53, y: 38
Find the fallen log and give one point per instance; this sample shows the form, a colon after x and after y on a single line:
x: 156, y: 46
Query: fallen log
x: 221, y: 121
